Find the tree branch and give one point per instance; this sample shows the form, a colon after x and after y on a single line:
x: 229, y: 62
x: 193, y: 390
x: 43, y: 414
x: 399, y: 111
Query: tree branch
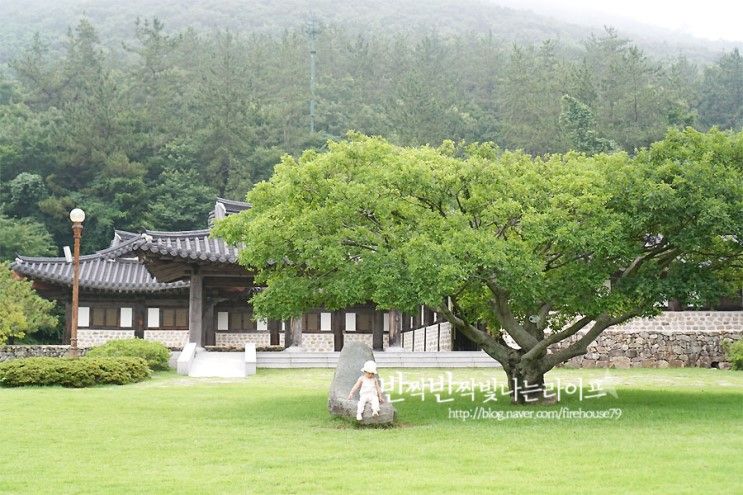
x: 555, y: 337
x: 500, y: 305
x: 498, y: 351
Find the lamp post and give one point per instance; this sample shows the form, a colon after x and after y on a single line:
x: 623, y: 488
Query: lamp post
x: 77, y: 216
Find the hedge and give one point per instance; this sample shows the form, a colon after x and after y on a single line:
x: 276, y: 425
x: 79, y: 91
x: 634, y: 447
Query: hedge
x: 735, y: 354
x: 77, y: 373
x: 155, y: 353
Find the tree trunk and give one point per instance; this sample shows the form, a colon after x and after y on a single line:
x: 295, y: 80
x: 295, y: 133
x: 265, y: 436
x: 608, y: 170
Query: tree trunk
x: 526, y: 385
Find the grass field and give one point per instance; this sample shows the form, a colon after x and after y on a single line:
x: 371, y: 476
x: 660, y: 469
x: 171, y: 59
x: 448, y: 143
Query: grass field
x: 680, y: 431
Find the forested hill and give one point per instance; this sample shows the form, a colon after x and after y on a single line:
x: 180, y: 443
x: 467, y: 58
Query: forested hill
x: 146, y: 132
x: 114, y: 20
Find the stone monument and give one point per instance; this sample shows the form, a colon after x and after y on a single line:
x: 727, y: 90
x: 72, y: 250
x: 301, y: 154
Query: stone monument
x: 351, y: 360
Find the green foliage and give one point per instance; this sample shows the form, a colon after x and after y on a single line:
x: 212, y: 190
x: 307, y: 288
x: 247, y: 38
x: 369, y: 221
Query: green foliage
x: 22, y: 311
x: 76, y: 373
x: 577, y: 121
x: 518, y: 242
x: 734, y: 353
x: 178, y: 116
x: 183, y: 188
x: 722, y: 92
x: 155, y: 353
x: 23, y: 236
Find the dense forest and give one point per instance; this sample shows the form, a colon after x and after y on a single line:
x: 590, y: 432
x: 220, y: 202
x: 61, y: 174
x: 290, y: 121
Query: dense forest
x: 507, y: 20
x: 145, y: 136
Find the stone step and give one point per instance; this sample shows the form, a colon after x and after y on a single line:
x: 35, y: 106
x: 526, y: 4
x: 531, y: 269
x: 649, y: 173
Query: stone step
x: 462, y: 359
x: 218, y: 365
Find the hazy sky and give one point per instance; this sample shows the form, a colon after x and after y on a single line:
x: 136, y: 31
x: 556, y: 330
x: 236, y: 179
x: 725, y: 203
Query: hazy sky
x: 711, y: 19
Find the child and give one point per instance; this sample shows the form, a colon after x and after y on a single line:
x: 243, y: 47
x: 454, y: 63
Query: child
x: 370, y: 390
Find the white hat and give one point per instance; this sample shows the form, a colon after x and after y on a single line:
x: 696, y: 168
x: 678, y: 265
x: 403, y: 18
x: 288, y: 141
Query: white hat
x: 370, y: 367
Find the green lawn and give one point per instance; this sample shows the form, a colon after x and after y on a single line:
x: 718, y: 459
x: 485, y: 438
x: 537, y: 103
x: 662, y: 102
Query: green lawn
x: 681, y: 431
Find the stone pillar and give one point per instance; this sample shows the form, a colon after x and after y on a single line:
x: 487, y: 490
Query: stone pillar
x: 378, y: 330
x: 395, y: 327
x: 196, y: 309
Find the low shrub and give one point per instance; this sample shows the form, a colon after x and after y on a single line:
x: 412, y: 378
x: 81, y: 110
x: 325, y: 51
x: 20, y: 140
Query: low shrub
x: 77, y: 373
x: 734, y: 351
x: 155, y: 353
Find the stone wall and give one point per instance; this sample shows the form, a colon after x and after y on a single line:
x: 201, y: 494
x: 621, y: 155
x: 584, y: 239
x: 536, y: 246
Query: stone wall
x: 325, y: 341
x: 23, y: 351
x: 318, y: 342
x: 686, y: 321
x: 365, y: 338
x: 657, y: 349
x: 90, y: 338
x: 671, y: 339
x: 230, y: 339
x: 175, y: 339
x: 428, y: 339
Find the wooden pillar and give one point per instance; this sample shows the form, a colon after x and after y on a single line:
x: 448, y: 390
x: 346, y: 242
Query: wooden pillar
x: 378, y: 330
x: 287, y: 333
x: 394, y: 323
x: 274, y: 328
x: 139, y: 317
x: 210, y: 338
x: 427, y: 316
x: 337, y: 322
x: 196, y: 308
x: 406, y: 325
x: 297, y: 327
x: 67, y: 323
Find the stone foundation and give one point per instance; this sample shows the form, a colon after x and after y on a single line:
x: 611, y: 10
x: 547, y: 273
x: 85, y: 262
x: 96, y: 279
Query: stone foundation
x: 318, y: 342
x: 175, y: 339
x: 686, y: 321
x: 657, y: 349
x: 229, y: 339
x: 671, y: 339
x: 365, y: 338
x: 428, y: 339
x: 91, y: 338
x: 23, y: 351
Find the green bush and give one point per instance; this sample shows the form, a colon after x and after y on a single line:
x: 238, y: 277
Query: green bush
x: 77, y: 373
x: 734, y: 350
x: 155, y: 353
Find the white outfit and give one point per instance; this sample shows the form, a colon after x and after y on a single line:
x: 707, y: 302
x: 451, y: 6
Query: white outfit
x: 367, y: 393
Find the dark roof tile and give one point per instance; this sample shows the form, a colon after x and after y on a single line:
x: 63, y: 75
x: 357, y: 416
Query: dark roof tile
x: 96, y: 273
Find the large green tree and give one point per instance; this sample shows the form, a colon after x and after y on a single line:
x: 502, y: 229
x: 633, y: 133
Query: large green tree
x: 547, y: 251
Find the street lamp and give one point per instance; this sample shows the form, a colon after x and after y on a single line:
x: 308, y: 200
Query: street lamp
x: 77, y: 216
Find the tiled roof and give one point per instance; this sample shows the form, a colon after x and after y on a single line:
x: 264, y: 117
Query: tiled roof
x: 190, y: 245
x: 118, y: 267
x: 225, y: 207
x: 96, y: 272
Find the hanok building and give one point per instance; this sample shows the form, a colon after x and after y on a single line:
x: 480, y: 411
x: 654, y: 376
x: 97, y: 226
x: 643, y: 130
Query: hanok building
x: 180, y: 287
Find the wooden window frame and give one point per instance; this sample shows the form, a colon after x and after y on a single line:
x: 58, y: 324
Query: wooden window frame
x: 107, y: 310
x: 175, y: 325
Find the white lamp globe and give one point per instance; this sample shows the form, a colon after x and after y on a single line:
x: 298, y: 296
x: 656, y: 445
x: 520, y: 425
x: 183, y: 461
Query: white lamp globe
x: 77, y: 215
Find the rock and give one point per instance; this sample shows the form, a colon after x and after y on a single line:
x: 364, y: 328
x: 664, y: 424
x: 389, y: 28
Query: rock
x: 351, y: 360
x: 620, y: 362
